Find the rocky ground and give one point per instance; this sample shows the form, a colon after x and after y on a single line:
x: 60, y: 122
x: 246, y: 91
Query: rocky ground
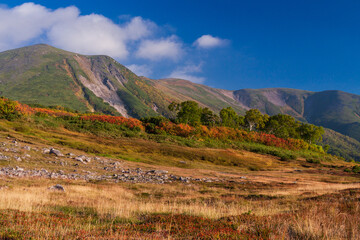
x: 72, y: 166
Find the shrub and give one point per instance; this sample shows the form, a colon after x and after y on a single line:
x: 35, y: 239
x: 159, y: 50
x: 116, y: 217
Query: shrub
x: 356, y: 169
x: 312, y: 160
x: 130, y: 123
x: 8, y: 109
x: 287, y: 157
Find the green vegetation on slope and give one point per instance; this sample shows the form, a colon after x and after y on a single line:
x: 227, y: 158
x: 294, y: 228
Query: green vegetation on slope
x: 341, y: 145
x: 41, y: 74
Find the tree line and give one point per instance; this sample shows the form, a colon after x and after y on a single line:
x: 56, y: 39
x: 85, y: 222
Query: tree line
x: 280, y: 125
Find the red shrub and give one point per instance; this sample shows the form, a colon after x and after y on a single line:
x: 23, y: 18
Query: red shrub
x: 128, y: 122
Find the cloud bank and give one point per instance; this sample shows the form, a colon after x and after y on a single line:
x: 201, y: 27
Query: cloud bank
x: 66, y: 28
x: 168, y: 48
x: 208, y: 41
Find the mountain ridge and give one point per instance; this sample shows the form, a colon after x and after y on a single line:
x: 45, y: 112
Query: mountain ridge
x: 42, y: 74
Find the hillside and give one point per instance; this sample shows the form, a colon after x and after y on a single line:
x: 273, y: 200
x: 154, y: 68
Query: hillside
x: 331, y: 109
x: 72, y: 178
x: 42, y: 74
x: 45, y: 75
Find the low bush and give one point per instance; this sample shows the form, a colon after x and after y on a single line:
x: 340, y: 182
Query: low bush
x: 313, y: 160
x: 356, y: 169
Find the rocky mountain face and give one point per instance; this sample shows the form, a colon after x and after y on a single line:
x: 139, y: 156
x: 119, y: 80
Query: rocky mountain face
x: 42, y: 74
x: 46, y: 75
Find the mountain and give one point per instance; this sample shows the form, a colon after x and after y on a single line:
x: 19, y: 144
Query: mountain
x: 46, y: 75
x: 42, y: 74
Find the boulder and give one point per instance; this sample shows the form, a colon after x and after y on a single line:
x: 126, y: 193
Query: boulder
x: 57, y: 187
x: 56, y: 152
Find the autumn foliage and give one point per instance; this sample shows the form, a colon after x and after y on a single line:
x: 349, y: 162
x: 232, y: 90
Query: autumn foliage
x: 224, y: 133
x: 165, y: 126
x: 130, y: 123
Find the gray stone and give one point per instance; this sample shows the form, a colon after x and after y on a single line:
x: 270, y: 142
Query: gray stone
x: 79, y: 159
x: 46, y: 151
x: 57, y: 187
x: 27, y: 148
x: 70, y: 155
x: 56, y: 152
x: 3, y: 157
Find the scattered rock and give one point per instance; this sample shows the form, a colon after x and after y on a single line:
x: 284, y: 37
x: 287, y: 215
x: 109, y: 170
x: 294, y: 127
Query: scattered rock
x: 57, y: 187
x: 46, y: 151
x: 3, y: 157
x: 80, y: 159
x: 70, y: 155
x: 27, y: 148
x: 56, y: 152
x: 19, y: 169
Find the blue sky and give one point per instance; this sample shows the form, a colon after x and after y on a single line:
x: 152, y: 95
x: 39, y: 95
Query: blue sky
x: 311, y: 45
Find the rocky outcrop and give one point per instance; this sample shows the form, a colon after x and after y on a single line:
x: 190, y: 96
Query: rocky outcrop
x: 101, y: 85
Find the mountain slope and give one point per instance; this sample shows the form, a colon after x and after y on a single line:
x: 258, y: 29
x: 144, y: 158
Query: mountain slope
x: 274, y: 100
x: 341, y: 145
x: 215, y: 99
x: 336, y: 110
x: 46, y: 75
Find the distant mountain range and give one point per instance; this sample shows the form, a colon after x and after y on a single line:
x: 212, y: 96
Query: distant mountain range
x: 46, y: 75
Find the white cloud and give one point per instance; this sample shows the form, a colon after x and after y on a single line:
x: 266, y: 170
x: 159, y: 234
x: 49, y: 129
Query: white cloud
x: 168, y: 48
x: 187, y: 73
x: 208, y: 41
x: 66, y: 28
x: 28, y: 21
x: 138, y: 28
x: 91, y: 34
x: 140, y: 70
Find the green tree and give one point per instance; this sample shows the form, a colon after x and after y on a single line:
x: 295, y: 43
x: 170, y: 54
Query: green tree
x: 208, y: 117
x: 254, y: 119
x: 229, y: 117
x: 188, y: 112
x: 310, y: 132
x: 283, y: 126
x: 174, y: 106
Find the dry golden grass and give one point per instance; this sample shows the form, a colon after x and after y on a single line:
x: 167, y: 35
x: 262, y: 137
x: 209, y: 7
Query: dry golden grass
x: 121, y: 202
x: 330, y: 216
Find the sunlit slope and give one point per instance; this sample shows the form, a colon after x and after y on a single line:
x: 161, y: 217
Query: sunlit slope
x: 42, y: 74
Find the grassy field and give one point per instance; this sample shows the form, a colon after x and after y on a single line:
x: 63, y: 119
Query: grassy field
x: 251, y: 195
